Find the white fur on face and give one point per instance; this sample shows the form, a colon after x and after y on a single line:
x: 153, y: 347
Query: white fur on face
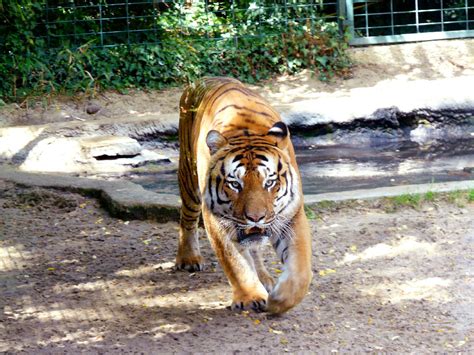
x: 288, y: 197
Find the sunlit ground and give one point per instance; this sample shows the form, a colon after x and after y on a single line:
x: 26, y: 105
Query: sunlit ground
x: 78, y: 280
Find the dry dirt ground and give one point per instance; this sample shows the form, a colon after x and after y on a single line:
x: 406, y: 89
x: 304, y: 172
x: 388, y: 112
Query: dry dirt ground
x: 397, y: 280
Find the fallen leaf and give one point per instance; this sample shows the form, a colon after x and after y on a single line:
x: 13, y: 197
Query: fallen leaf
x: 326, y: 272
x: 274, y: 331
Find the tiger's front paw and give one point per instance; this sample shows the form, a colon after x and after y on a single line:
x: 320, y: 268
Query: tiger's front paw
x: 190, y: 263
x: 267, y: 281
x: 256, y: 302
x: 288, y: 293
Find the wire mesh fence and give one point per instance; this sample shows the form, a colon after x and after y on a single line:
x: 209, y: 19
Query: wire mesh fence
x: 398, y: 20
x: 108, y: 23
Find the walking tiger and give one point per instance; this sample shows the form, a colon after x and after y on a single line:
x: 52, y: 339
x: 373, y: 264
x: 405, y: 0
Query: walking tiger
x: 237, y: 167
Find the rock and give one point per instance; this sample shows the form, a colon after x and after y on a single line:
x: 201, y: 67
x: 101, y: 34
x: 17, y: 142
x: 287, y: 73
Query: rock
x: 148, y: 156
x: 89, y: 154
x: 55, y: 154
x: 15, y: 139
x: 110, y: 146
x: 92, y: 108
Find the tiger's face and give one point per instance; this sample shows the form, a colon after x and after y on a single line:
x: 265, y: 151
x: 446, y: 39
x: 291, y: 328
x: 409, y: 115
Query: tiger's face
x: 252, y: 186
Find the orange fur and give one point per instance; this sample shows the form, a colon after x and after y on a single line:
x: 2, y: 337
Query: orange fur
x: 237, y: 167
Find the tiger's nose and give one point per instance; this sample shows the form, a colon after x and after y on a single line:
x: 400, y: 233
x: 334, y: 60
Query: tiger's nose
x: 255, y: 216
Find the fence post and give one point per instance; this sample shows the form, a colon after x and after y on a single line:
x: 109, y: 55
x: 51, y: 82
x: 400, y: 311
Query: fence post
x: 341, y: 15
x: 349, y: 18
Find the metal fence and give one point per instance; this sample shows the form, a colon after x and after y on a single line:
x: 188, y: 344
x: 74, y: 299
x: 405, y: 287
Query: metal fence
x: 108, y: 23
x: 380, y: 21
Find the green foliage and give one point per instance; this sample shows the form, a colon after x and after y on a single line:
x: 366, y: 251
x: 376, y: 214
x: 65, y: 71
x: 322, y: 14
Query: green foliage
x: 190, y: 42
x: 430, y: 196
x: 459, y: 198
x: 310, y: 214
x: 410, y: 200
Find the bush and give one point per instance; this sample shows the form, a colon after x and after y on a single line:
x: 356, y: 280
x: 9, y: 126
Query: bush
x: 193, y: 41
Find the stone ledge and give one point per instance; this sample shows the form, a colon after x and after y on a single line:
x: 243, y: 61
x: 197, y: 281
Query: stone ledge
x: 126, y: 200
x: 389, y: 191
x: 123, y: 199
x: 376, y: 102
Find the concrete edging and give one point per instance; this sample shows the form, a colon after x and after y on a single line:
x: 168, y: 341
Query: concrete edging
x: 122, y: 199
x: 127, y: 200
x: 389, y: 191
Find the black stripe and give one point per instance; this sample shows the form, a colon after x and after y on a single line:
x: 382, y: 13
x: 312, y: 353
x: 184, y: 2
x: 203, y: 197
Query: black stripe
x: 261, y: 157
x: 190, y: 209
x: 237, y: 158
x: 218, y: 197
x: 237, y: 107
x: 192, y: 195
x: 222, y: 170
x: 284, y: 177
x: 217, y: 162
x: 241, y: 90
x: 283, y: 259
x: 209, y: 186
x: 277, y: 244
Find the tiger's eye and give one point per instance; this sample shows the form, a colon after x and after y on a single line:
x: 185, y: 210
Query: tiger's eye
x: 235, y: 185
x: 269, y: 183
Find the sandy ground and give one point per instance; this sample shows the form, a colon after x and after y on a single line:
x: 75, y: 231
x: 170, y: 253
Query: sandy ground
x: 387, y: 279
x: 372, y: 66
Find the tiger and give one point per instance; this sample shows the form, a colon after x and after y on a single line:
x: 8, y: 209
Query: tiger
x: 237, y: 169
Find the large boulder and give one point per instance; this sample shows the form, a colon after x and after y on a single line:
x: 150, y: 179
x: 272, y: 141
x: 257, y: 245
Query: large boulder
x: 88, y: 154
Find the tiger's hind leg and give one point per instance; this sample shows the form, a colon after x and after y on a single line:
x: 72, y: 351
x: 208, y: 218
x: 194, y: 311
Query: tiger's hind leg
x: 265, y: 278
x: 189, y: 254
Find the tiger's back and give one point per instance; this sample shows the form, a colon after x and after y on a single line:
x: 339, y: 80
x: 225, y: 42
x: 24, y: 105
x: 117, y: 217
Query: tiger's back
x: 237, y: 166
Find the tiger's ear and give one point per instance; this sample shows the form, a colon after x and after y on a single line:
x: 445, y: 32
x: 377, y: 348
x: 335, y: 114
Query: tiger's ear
x: 215, y: 140
x: 280, y: 131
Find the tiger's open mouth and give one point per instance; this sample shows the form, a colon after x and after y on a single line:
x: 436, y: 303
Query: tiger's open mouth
x: 251, y: 235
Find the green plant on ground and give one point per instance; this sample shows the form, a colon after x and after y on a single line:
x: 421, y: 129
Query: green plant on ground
x: 430, y: 196
x: 411, y: 200
x: 189, y: 41
x: 470, y: 196
x: 459, y: 197
x: 310, y: 214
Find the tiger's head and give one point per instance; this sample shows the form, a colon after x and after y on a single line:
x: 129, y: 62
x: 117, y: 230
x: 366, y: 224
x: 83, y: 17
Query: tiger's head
x: 252, y: 186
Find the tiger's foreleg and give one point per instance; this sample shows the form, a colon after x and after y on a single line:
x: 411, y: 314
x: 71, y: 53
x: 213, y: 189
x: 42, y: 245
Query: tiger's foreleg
x: 295, y: 253
x: 248, y: 291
